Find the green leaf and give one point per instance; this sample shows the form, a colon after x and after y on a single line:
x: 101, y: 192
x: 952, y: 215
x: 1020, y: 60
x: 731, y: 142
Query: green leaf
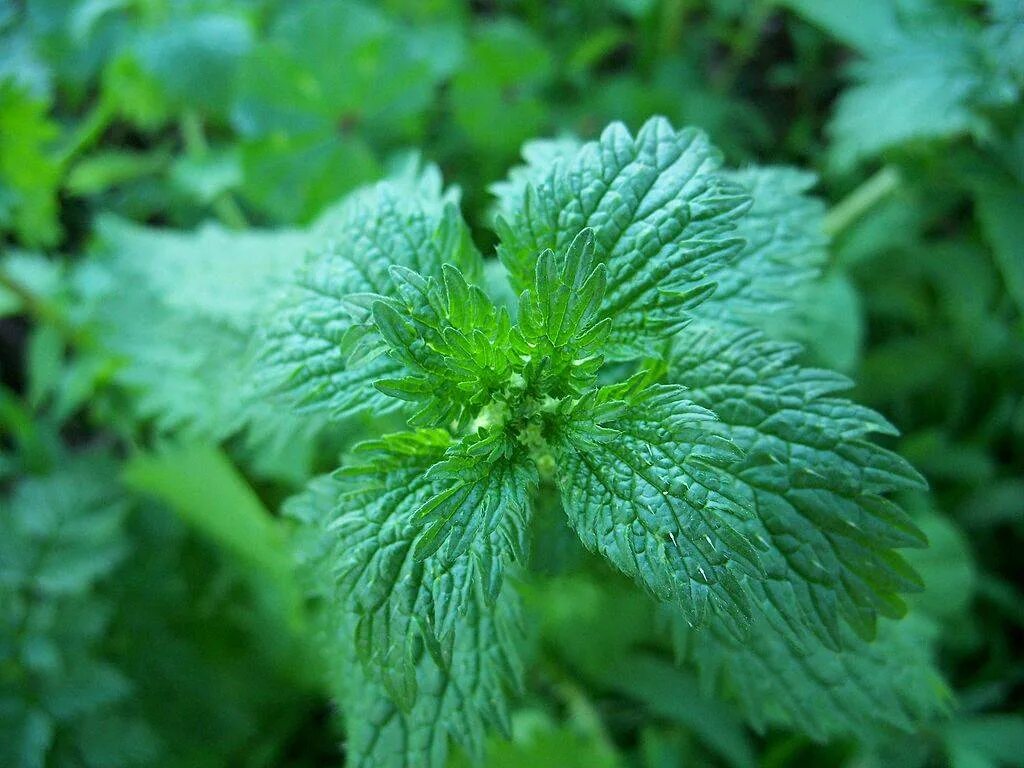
x: 816, y: 483
x: 947, y: 568
x: 179, y: 312
x: 540, y: 155
x: 983, y: 740
x: 403, y: 593
x: 29, y: 171
x: 292, y: 83
x: 437, y: 637
x: 133, y: 93
x: 468, y: 697
x: 101, y: 171
x: 322, y: 351
x: 290, y: 179
x: 62, y: 533
x: 43, y: 277
x: 26, y: 738
x: 214, y: 668
x: 537, y: 741
x: 45, y: 358
x: 173, y: 54
x: 653, y: 496
x: 784, y: 248
x: 20, y: 61
x: 206, y: 490
x: 930, y: 75
x: 868, y: 689
x: 998, y: 199
x: 866, y: 25
x: 62, y: 537
x: 783, y: 232
x: 90, y: 687
x: 673, y: 694
x: 510, y: 67
x: 560, y: 332
x: 310, y: 128
x: 452, y: 341
x: 661, y: 213
x: 825, y: 316
x: 487, y: 486
x: 1005, y: 39
x: 207, y: 176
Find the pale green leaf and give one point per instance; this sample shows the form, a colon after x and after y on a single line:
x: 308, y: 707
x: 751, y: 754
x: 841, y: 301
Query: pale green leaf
x: 927, y: 74
x: 866, y: 25
x: 179, y: 312
x: 784, y: 248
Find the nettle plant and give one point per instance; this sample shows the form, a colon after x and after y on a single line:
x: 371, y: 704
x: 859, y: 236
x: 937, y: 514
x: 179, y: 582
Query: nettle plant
x: 686, y: 447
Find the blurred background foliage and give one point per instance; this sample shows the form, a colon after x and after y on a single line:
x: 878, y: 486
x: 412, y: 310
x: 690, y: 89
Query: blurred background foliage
x: 165, y: 164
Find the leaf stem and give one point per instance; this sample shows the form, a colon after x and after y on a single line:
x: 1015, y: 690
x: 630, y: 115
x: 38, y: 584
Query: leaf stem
x: 87, y: 133
x: 34, y: 305
x: 862, y: 199
x: 229, y: 211
x: 43, y: 311
x: 224, y: 205
x: 192, y: 134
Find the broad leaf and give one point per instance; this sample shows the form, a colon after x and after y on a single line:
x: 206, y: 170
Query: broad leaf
x: 662, y: 215
x: 784, y: 247
x: 178, y: 312
x: 931, y: 72
x: 316, y: 350
x: 649, y: 491
x: 867, y: 689
x: 403, y: 596
x: 437, y: 638
x: 816, y: 484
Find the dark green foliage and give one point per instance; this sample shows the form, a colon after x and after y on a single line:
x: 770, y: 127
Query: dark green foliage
x: 748, y: 499
x: 382, y: 384
x: 63, y: 699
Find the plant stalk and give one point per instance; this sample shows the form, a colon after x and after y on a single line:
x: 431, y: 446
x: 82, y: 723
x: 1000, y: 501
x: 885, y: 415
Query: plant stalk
x: 862, y: 199
x: 43, y: 311
x: 224, y: 205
